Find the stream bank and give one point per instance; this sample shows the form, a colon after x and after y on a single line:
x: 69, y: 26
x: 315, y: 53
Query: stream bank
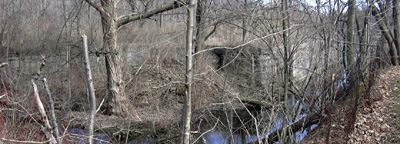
x: 376, y: 122
x: 216, y: 124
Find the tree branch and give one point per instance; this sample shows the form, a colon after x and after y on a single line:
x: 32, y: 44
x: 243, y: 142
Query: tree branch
x: 212, y: 31
x: 95, y: 6
x: 42, y: 112
x: 52, y: 112
x: 3, y: 64
x: 386, y: 33
x: 125, y: 19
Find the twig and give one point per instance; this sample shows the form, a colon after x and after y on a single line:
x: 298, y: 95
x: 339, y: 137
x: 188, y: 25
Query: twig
x: 29, y: 142
x: 3, y: 64
x: 244, y: 44
x: 137, y: 72
x: 42, y: 112
x: 36, y: 76
x: 32, y: 142
x: 40, y: 104
x: 101, y: 104
x: 127, y: 133
x: 53, y: 113
x: 254, y: 118
x: 207, y: 131
x: 167, y: 84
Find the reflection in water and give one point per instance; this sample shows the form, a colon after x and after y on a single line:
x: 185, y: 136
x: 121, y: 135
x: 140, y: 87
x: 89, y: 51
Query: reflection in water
x: 218, y: 137
x: 223, y: 137
x: 79, y: 136
x: 214, y: 137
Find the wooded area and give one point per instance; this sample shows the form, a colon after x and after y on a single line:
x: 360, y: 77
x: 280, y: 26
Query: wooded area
x: 187, y: 71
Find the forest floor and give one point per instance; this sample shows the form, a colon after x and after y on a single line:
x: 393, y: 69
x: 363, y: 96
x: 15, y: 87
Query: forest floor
x: 376, y: 122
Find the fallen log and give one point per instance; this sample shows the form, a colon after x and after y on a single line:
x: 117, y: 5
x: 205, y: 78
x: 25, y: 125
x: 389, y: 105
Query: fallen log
x: 111, y: 125
x: 297, y: 126
x: 256, y: 102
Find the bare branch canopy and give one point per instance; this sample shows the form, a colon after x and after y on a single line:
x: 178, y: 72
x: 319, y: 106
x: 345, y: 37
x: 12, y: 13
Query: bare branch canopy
x: 95, y: 6
x: 125, y: 19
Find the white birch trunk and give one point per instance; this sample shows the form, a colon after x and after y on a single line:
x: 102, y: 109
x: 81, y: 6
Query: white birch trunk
x: 92, y: 97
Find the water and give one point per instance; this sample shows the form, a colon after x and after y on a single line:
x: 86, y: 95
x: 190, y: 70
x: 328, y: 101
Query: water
x: 214, y: 137
x: 144, y: 139
x: 223, y: 137
x: 78, y: 136
x: 220, y: 137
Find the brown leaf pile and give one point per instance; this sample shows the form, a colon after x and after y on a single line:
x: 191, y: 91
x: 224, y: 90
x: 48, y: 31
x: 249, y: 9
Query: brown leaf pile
x: 375, y: 123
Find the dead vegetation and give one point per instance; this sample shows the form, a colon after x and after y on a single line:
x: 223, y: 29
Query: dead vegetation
x: 243, y: 72
x: 376, y: 122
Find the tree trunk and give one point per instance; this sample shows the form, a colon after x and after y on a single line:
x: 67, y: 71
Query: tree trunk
x: 186, y: 112
x: 349, y: 51
x: 90, y: 87
x: 200, y: 28
x: 117, y: 103
x: 396, y: 19
x: 287, y: 66
x: 244, y: 29
x: 363, y: 37
x: 386, y: 33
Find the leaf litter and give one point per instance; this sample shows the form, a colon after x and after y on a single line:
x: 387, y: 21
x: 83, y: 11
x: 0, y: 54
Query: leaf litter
x: 378, y: 122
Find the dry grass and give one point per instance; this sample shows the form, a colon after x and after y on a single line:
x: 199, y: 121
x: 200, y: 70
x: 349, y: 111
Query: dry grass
x: 18, y: 125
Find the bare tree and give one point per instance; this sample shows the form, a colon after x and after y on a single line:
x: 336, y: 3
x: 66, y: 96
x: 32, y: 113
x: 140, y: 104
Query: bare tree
x: 200, y: 25
x: 349, y: 48
x: 117, y: 103
x: 287, y: 64
x: 396, y: 21
x: 379, y: 15
x: 184, y: 137
x: 90, y: 88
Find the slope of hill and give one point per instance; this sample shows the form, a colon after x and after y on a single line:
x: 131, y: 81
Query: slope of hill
x: 376, y: 122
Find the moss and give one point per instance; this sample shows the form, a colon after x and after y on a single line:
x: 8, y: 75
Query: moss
x: 349, y: 99
x: 396, y: 108
x: 396, y: 91
x: 361, y: 87
x: 352, y: 95
x: 396, y: 87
